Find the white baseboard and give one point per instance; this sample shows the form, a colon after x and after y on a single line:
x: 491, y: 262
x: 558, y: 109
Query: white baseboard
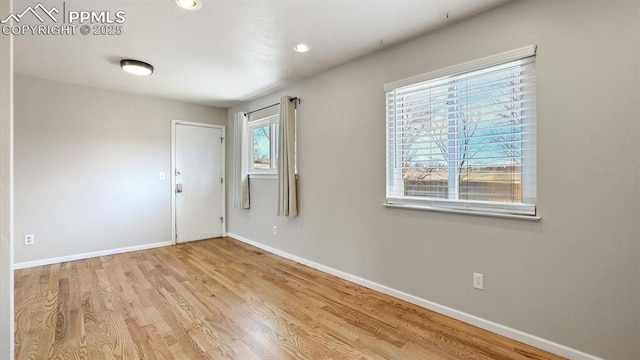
x: 30, y: 264
x: 496, y: 328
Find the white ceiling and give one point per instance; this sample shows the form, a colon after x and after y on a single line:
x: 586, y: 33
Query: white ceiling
x: 229, y: 50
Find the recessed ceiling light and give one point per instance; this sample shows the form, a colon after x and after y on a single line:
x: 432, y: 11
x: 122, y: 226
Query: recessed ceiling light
x: 302, y: 47
x: 189, y: 4
x: 136, y: 67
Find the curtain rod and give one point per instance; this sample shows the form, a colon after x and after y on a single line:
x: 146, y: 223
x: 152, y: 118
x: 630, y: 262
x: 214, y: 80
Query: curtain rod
x: 272, y: 105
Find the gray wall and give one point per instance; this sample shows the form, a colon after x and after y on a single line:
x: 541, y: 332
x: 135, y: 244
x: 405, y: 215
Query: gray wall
x: 571, y: 278
x: 6, y: 248
x: 87, y: 164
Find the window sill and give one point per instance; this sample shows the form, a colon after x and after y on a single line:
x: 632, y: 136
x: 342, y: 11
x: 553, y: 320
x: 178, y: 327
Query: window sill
x: 463, y: 212
x: 262, y: 176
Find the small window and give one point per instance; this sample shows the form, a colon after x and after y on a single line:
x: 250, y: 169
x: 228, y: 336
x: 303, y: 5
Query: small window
x: 263, y: 140
x: 464, y: 141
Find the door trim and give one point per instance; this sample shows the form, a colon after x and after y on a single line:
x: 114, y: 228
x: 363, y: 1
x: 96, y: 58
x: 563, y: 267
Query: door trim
x: 172, y: 174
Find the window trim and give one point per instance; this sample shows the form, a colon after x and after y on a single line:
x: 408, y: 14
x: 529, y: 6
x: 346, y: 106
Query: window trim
x: 471, y: 207
x: 462, y: 212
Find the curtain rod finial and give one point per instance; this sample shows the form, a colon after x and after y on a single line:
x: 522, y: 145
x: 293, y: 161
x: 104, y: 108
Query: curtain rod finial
x: 296, y: 99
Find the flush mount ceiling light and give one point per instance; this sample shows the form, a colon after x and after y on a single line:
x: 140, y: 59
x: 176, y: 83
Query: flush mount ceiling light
x: 189, y: 4
x: 301, y: 47
x: 136, y: 67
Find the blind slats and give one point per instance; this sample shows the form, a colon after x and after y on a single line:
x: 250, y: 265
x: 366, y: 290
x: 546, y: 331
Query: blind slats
x: 506, y: 79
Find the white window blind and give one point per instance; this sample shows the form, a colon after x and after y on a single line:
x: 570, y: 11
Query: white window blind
x: 463, y: 138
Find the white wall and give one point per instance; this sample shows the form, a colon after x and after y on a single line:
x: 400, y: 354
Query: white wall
x: 6, y: 173
x: 87, y: 164
x: 571, y: 278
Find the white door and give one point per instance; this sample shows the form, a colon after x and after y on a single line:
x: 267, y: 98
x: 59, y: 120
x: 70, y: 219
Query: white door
x: 199, y: 188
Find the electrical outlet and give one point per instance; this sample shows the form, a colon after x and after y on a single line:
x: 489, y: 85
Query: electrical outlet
x: 478, y: 281
x: 29, y: 239
x: 275, y: 230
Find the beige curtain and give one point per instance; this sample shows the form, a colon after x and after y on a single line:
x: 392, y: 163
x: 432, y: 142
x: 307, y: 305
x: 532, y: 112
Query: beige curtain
x: 287, y: 187
x: 241, y: 198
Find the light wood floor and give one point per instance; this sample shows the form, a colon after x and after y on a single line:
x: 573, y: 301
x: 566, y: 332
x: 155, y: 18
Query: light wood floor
x: 221, y: 299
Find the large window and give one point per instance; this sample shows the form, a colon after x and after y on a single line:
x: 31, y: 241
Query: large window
x: 263, y: 142
x: 463, y: 139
